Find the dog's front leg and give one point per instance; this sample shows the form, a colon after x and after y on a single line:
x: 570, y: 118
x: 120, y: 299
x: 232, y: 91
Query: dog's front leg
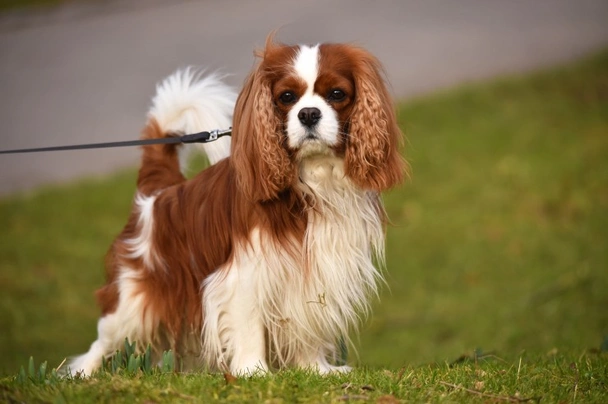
x: 243, y: 314
x: 234, y: 334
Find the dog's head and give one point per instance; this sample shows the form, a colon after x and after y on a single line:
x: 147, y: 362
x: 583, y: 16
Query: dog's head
x: 303, y: 101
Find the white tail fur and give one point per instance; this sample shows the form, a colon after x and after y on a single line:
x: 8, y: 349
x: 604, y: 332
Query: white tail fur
x: 188, y: 102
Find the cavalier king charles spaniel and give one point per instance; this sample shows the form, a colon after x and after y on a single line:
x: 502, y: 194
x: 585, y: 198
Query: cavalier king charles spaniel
x: 266, y: 259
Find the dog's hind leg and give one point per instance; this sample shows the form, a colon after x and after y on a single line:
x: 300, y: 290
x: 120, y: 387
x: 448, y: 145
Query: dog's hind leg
x: 105, y: 345
x: 129, y: 320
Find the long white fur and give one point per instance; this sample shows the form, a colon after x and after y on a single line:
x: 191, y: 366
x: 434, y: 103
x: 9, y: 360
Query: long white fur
x: 305, y: 310
x: 141, y: 246
x: 233, y: 331
x: 190, y: 103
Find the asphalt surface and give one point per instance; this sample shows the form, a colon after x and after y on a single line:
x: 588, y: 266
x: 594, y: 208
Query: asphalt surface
x: 85, y: 72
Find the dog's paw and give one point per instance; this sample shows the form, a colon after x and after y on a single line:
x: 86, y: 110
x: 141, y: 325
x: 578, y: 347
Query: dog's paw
x: 248, y: 369
x: 328, y: 369
x: 322, y: 367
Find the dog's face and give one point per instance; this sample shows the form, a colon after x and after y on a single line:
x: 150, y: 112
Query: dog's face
x: 303, y: 101
x: 315, y: 101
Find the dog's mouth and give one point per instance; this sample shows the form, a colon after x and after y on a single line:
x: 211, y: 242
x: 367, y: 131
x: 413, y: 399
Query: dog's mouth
x: 312, y: 145
x: 312, y: 139
x: 309, y: 136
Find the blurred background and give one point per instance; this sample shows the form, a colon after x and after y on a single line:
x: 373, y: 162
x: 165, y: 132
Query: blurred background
x: 499, y: 240
x: 84, y: 71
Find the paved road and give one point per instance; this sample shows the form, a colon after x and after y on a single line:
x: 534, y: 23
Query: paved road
x: 85, y: 73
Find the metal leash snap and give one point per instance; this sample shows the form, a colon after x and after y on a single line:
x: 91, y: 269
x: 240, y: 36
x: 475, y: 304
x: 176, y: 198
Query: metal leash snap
x: 217, y: 133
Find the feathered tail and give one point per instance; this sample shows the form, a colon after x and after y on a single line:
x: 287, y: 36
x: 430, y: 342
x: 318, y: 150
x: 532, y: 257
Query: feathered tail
x: 185, y: 102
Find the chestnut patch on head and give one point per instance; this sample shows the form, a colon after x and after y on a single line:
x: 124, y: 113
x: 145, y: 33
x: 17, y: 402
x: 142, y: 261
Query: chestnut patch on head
x: 366, y: 116
x: 336, y: 85
x: 286, y: 91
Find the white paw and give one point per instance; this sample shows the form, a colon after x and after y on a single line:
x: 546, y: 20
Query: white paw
x: 327, y: 369
x: 247, y: 369
x: 82, y: 366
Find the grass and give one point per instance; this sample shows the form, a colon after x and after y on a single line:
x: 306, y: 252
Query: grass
x: 549, y: 379
x: 497, y: 263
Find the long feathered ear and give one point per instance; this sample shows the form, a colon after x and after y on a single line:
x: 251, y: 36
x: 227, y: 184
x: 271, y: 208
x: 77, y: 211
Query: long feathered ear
x: 262, y: 165
x: 372, y: 158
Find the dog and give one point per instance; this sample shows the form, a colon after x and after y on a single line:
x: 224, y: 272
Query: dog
x: 265, y: 259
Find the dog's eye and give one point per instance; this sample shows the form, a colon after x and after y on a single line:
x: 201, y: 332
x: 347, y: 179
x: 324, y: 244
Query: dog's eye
x: 336, y: 95
x: 287, y: 98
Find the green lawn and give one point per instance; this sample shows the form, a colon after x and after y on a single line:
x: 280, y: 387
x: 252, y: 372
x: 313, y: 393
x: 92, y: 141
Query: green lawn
x: 545, y: 379
x: 499, y: 245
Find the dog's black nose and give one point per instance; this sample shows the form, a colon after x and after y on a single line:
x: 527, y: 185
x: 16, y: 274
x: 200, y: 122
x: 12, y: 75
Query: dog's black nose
x: 309, y: 116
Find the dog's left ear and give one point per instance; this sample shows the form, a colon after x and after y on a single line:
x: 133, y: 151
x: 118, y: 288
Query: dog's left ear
x: 372, y: 157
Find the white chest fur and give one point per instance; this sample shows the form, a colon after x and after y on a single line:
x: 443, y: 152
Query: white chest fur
x: 299, y: 305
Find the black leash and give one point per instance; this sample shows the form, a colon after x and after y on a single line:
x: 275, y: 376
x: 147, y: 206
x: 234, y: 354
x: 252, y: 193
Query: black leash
x: 201, y: 137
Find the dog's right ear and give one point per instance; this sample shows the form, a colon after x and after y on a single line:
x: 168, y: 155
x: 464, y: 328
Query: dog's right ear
x: 263, y: 167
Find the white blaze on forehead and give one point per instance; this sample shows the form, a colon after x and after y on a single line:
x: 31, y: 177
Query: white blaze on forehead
x: 325, y: 132
x: 306, y: 65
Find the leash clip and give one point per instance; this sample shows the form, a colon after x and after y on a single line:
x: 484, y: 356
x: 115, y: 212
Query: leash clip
x: 205, y: 137
x: 217, y: 133
x: 213, y: 135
